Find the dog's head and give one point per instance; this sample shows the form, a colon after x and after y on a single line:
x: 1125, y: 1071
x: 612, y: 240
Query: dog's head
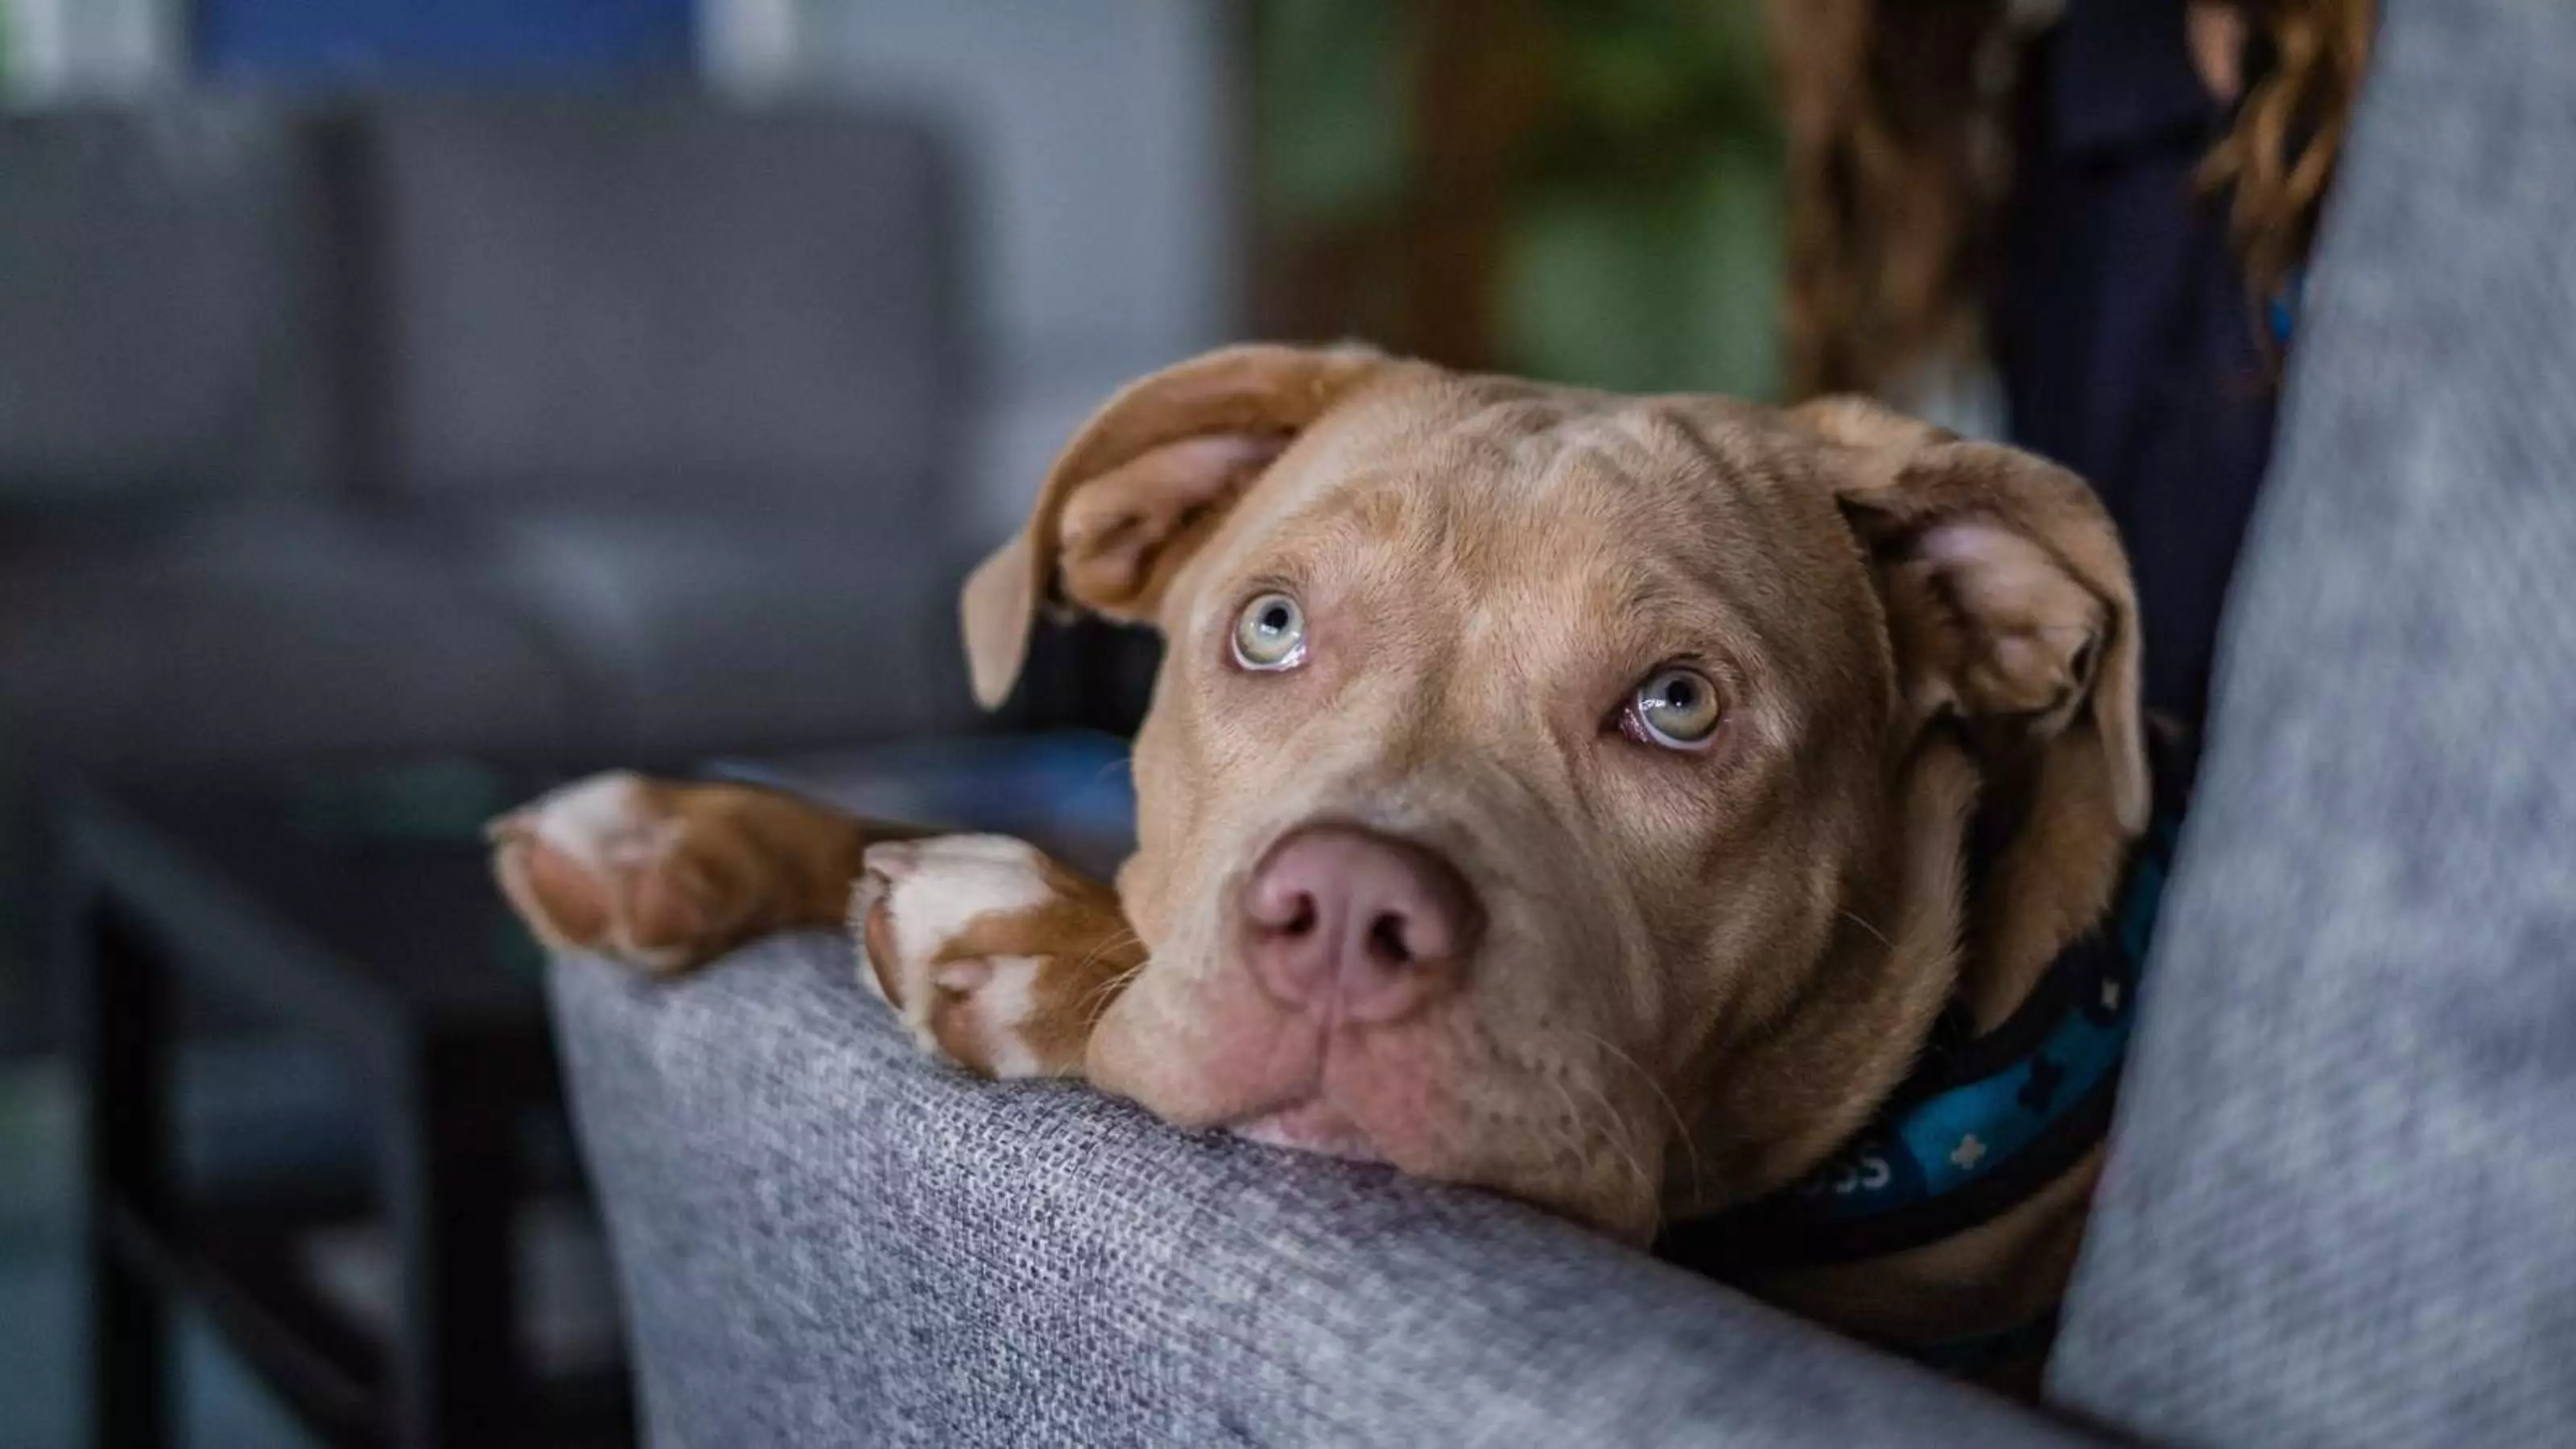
x: 1557, y: 791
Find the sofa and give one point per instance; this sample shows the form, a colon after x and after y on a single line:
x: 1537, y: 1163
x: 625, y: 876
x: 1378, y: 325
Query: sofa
x: 514, y: 424
x: 2340, y: 1206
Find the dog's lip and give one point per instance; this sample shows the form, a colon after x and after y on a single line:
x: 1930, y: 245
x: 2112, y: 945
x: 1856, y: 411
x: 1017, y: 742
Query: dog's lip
x: 1311, y: 1123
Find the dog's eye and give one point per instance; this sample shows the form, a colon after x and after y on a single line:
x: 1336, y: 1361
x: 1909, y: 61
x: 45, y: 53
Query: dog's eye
x: 1270, y: 634
x: 1675, y: 708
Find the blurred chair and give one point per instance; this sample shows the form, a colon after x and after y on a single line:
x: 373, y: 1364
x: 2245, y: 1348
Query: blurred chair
x: 2338, y: 1209
x: 565, y: 427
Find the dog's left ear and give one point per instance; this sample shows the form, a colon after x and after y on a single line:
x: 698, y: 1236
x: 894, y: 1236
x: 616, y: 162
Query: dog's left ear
x: 2007, y: 593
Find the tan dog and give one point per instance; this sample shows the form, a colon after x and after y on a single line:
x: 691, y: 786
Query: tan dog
x: 1546, y: 790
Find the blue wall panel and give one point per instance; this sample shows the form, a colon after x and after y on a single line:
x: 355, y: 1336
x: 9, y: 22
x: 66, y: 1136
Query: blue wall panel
x: 442, y: 40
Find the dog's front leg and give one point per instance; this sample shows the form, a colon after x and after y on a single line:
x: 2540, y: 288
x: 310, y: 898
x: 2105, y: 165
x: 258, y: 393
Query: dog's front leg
x: 667, y: 875
x: 996, y: 957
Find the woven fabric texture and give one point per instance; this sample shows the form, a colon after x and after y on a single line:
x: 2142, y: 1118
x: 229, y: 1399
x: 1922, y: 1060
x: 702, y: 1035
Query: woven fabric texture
x: 2341, y: 1204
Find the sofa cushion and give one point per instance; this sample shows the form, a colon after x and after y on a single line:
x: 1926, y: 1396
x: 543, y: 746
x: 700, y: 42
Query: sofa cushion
x: 251, y: 631
x: 2340, y: 1206
x: 162, y: 290
x: 279, y: 630
x: 698, y: 629
x: 654, y: 296
x: 825, y: 1239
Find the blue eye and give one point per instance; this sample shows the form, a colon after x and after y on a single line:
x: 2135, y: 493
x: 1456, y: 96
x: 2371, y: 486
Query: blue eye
x: 1270, y: 634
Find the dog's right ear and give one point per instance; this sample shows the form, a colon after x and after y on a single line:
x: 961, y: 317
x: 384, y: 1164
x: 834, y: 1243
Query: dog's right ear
x: 1141, y: 485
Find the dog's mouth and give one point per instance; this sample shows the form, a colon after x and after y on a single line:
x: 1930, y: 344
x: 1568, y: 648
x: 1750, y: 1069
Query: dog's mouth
x: 1311, y: 1125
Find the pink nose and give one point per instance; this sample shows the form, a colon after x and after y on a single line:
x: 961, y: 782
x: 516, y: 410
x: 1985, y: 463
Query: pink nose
x: 1339, y: 914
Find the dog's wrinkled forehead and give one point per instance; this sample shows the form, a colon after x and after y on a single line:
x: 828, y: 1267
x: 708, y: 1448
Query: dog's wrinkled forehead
x: 1609, y: 516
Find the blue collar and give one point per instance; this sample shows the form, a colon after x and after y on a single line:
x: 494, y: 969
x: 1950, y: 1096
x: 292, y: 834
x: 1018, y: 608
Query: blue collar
x: 1979, y: 1125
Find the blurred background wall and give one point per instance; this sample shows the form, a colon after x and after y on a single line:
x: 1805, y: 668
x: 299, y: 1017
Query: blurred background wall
x: 52, y: 50
x: 1107, y: 195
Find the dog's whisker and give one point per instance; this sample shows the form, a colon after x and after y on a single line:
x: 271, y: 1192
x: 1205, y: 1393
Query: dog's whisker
x: 1615, y: 1134
x: 1097, y: 998
x: 1874, y: 931
x: 1118, y: 942
x: 1610, y: 1135
x: 1568, y: 1130
x: 1672, y: 1109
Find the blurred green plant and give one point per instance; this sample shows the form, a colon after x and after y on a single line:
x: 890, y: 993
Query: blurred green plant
x: 1332, y: 107
x: 1637, y: 242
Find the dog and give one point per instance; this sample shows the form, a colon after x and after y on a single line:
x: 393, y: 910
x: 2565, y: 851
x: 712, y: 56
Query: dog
x: 1631, y: 805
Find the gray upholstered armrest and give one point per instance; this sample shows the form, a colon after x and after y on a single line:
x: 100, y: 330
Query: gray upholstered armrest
x: 825, y: 1239
x: 2340, y: 1207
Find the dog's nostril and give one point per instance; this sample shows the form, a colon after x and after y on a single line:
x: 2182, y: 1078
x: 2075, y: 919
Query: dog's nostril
x: 1282, y: 908
x: 1301, y: 916
x: 1386, y: 940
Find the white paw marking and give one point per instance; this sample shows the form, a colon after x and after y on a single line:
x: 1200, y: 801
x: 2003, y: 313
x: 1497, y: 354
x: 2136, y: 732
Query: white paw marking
x: 601, y: 825
x: 593, y: 821
x: 865, y: 893
x: 934, y: 891
x: 939, y: 887
x: 1001, y: 1005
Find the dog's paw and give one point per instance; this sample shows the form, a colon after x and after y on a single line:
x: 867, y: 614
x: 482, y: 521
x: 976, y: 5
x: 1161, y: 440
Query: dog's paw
x: 666, y: 876
x: 996, y: 958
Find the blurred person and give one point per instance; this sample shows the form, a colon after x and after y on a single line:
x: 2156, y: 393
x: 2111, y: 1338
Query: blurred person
x: 2081, y: 224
